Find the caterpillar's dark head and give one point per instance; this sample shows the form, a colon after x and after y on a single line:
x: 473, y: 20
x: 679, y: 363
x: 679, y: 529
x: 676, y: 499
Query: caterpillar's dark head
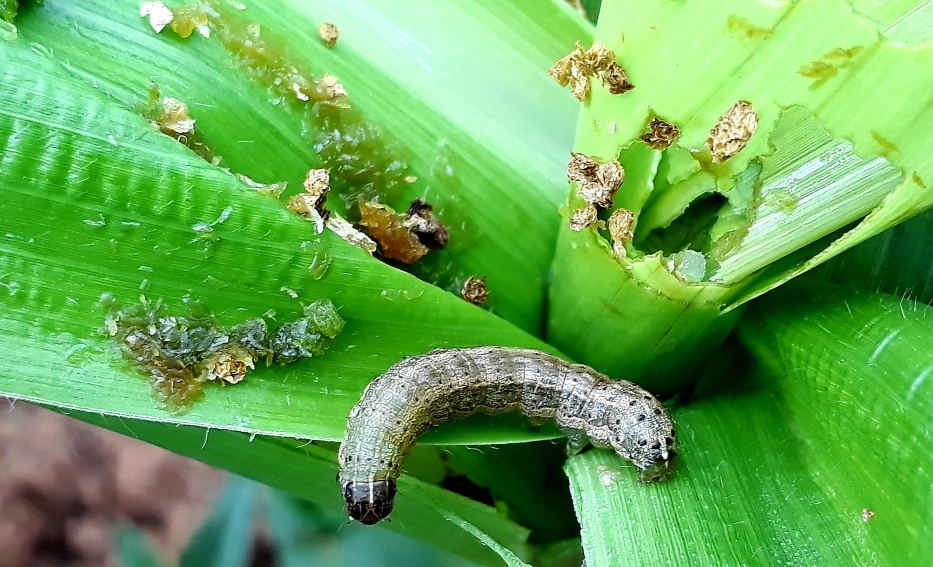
x: 644, y: 434
x: 369, y: 501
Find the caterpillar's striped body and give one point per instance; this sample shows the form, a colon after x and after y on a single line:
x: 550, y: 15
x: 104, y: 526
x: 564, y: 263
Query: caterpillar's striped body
x: 424, y: 391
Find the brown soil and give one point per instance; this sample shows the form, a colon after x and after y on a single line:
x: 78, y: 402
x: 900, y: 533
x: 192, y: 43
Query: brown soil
x: 65, y: 486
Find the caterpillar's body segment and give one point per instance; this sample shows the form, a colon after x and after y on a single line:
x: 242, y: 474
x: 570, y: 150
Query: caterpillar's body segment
x: 423, y: 391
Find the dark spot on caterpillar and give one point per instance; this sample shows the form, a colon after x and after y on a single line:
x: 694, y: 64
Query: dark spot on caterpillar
x: 655, y: 445
x: 668, y: 441
x: 454, y: 383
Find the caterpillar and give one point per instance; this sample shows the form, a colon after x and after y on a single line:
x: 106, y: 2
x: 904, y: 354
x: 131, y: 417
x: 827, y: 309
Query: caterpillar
x: 447, y: 384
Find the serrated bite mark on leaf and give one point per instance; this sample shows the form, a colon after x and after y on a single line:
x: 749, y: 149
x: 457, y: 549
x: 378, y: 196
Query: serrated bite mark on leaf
x: 733, y: 131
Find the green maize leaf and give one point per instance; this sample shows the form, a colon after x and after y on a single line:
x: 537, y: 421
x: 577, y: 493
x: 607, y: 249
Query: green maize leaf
x: 97, y: 202
x: 426, y: 104
x: 783, y: 453
x: 812, y: 182
x: 307, y: 472
x: 897, y: 261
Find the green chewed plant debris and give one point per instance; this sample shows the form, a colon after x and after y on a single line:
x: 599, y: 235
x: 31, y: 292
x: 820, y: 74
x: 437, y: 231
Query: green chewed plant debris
x: 308, y: 336
x: 171, y: 116
x: 181, y: 353
x: 8, y: 9
x: 363, y: 161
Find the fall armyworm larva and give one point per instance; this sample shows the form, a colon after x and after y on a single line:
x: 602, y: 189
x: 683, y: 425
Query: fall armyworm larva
x: 424, y: 391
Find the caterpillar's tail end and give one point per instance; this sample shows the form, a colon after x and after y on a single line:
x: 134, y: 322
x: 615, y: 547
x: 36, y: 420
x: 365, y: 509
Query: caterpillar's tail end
x: 660, y: 470
x: 369, y: 501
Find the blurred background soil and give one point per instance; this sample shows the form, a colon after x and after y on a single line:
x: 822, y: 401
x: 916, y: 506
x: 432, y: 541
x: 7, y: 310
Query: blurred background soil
x: 66, y: 486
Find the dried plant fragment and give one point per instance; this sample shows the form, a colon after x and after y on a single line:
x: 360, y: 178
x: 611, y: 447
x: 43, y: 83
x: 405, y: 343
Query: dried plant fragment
x: 159, y: 15
x: 867, y: 514
x: 428, y: 228
x: 274, y: 190
x: 584, y: 218
x: 576, y: 68
x: 329, y: 33
x: 229, y: 365
x: 312, y: 203
x: 345, y: 230
x: 189, y: 18
x: 173, y: 119
x: 333, y: 89
x: 396, y: 239
x: 732, y: 132
x: 475, y: 291
x: 599, y: 182
x: 662, y: 134
x: 621, y: 229
x: 581, y: 167
x: 616, y: 80
x: 317, y: 186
